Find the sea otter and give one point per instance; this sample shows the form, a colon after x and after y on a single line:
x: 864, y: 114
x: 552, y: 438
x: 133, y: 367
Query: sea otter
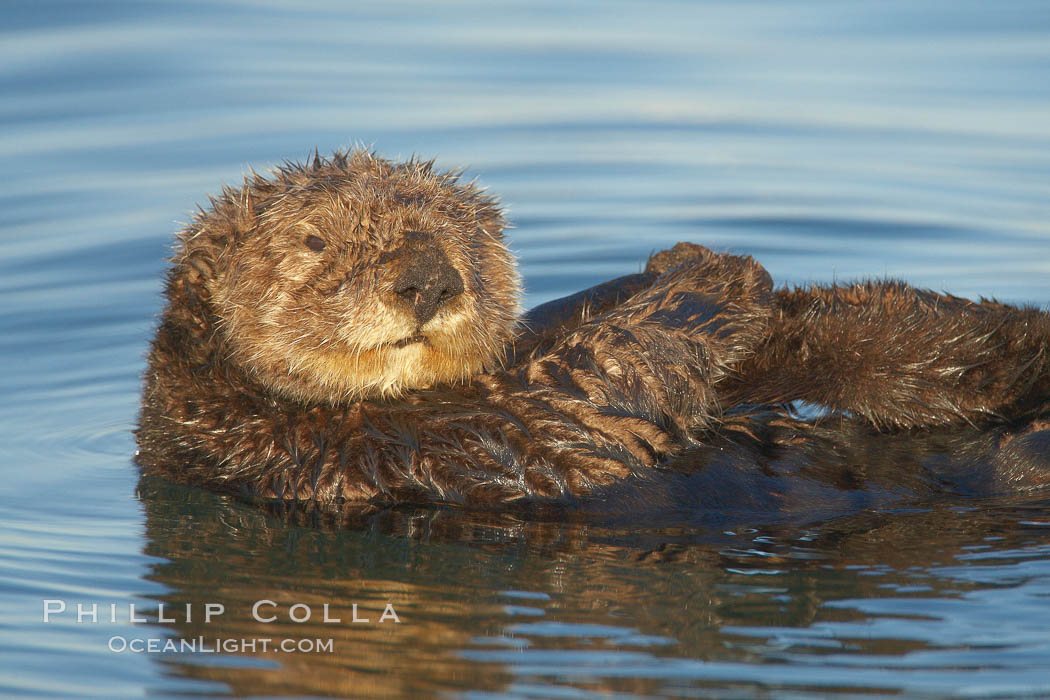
x: 348, y: 331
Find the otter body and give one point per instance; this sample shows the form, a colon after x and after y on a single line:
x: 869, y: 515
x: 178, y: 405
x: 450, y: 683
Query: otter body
x: 348, y: 332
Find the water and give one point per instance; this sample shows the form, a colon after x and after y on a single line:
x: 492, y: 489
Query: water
x: 828, y: 140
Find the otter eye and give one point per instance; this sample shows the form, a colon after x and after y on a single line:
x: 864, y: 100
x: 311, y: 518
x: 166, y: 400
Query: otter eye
x: 314, y: 243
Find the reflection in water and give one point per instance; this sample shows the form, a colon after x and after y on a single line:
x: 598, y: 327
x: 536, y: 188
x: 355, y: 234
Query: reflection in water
x: 508, y: 602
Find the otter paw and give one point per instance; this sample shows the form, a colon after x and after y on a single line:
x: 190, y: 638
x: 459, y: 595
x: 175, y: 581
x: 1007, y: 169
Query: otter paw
x: 731, y: 276
x: 661, y: 262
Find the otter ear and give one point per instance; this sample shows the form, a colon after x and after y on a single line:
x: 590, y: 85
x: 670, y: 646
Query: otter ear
x: 207, y: 243
x: 194, y: 271
x: 201, y: 250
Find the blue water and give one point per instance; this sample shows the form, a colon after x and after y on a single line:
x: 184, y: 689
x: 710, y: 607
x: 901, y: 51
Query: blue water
x: 829, y: 140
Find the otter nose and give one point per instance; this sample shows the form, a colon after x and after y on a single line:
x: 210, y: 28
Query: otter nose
x: 428, y: 282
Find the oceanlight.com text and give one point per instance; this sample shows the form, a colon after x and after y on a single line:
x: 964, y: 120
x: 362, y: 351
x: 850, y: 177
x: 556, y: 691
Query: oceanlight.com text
x: 203, y: 645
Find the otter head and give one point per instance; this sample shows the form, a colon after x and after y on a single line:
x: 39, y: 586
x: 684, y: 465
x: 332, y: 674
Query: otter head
x: 354, y: 277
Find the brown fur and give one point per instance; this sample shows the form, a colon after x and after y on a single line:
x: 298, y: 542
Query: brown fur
x: 901, y: 357
x: 288, y: 369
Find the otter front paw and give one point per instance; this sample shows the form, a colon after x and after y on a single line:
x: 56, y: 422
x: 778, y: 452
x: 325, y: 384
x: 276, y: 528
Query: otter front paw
x: 723, y: 301
x: 717, y: 307
x: 683, y: 251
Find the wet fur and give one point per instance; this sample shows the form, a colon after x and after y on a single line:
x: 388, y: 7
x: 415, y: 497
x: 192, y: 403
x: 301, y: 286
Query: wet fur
x: 276, y: 374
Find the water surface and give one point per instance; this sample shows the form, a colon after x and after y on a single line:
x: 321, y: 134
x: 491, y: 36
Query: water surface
x: 828, y: 140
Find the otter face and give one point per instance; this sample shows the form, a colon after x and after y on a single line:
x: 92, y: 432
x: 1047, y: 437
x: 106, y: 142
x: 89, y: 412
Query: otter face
x: 356, y: 277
